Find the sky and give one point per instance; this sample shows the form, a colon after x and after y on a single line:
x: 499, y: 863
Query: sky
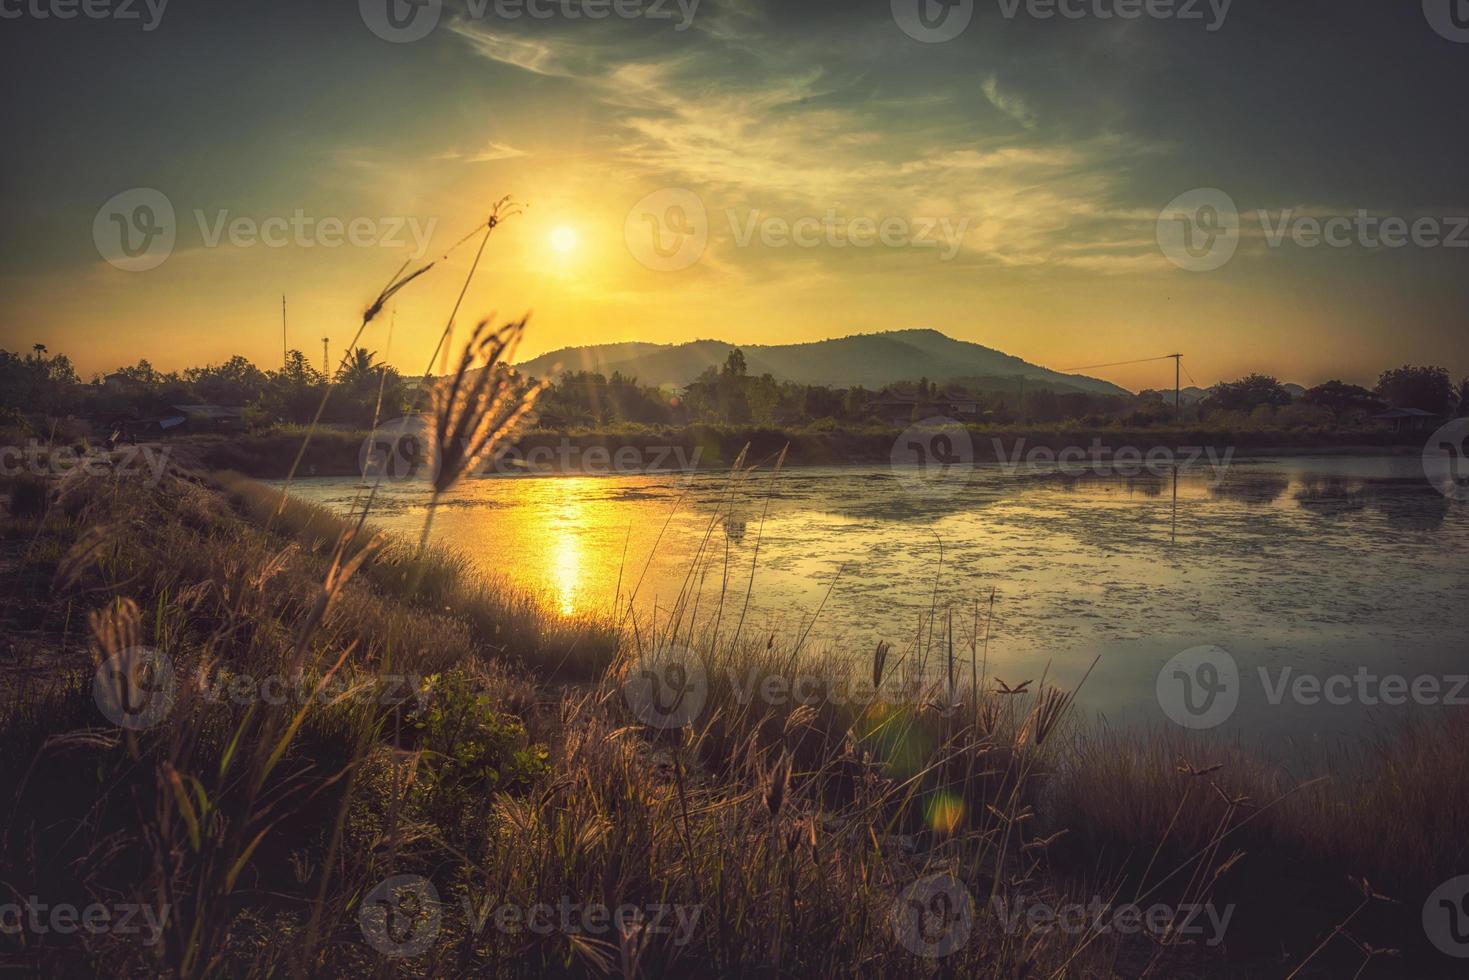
x: 1076, y: 189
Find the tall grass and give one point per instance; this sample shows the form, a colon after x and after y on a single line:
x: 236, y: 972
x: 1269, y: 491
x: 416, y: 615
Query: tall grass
x: 518, y: 769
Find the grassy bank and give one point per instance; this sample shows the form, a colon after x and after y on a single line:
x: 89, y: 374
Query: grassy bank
x: 271, y: 454
x: 449, y: 727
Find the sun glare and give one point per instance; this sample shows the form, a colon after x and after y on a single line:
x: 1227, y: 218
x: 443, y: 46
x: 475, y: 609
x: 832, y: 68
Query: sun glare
x: 563, y: 240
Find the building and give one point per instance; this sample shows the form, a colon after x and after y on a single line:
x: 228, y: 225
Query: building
x: 1403, y: 420
x: 899, y: 403
x: 208, y: 418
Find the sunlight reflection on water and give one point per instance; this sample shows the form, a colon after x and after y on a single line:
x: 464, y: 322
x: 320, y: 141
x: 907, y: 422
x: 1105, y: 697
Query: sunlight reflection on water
x: 1331, y: 560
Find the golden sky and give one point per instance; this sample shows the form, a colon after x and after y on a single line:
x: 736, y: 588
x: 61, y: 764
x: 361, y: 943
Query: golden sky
x: 1020, y: 172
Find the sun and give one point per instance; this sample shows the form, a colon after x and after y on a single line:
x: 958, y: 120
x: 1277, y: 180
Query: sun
x: 563, y: 240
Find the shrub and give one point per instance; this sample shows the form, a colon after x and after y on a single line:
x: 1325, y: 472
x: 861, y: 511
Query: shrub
x: 473, y: 750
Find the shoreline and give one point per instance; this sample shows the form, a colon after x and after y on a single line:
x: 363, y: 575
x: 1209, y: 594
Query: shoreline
x: 334, y: 453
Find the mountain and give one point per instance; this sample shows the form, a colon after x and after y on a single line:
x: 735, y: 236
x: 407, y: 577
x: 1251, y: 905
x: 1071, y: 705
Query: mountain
x: 1190, y: 395
x: 870, y: 360
x: 1193, y: 394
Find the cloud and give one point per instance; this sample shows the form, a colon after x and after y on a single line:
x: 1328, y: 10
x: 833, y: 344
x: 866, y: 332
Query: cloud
x: 487, y: 153
x: 777, y: 124
x: 1011, y: 105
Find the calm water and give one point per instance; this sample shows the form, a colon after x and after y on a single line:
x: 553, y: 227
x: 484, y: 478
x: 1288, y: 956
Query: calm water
x: 1318, y: 564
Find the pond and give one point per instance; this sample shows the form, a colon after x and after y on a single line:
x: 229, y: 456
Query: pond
x: 1348, y: 570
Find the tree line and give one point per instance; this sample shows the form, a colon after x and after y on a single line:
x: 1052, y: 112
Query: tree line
x: 42, y: 385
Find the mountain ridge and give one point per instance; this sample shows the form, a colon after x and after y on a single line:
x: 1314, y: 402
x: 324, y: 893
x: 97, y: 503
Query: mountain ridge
x: 872, y: 360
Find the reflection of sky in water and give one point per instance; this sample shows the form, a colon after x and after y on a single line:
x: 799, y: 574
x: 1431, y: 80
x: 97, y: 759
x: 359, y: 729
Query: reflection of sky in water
x: 1320, y: 563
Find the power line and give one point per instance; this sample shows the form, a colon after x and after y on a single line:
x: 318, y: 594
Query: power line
x: 1093, y: 367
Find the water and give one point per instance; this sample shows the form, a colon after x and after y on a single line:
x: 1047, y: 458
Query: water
x: 1320, y: 565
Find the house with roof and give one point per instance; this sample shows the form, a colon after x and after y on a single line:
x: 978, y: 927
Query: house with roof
x: 206, y: 418
x: 898, y: 403
x: 1406, y: 420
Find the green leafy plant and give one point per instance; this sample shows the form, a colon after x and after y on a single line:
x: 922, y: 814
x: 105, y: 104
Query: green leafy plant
x: 472, y: 749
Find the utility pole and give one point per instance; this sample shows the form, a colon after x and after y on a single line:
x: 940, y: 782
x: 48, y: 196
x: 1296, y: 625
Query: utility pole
x: 1177, y: 384
x: 326, y: 357
x: 284, y: 356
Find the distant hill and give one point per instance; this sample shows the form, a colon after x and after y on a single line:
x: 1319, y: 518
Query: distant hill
x: 1192, y: 395
x: 870, y: 360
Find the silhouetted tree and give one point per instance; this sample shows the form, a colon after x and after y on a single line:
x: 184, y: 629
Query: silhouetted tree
x: 1425, y: 388
x: 734, y: 364
x: 1340, y: 397
x: 1248, y: 394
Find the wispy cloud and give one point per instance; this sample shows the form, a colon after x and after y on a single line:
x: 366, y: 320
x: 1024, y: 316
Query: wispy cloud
x: 487, y: 153
x: 1011, y: 105
x: 754, y: 122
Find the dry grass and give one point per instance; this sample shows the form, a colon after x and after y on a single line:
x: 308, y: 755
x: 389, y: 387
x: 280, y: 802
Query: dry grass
x: 516, y: 770
x: 792, y: 827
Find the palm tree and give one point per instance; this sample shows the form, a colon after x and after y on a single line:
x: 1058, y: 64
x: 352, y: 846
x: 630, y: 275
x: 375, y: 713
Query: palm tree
x: 359, y: 368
